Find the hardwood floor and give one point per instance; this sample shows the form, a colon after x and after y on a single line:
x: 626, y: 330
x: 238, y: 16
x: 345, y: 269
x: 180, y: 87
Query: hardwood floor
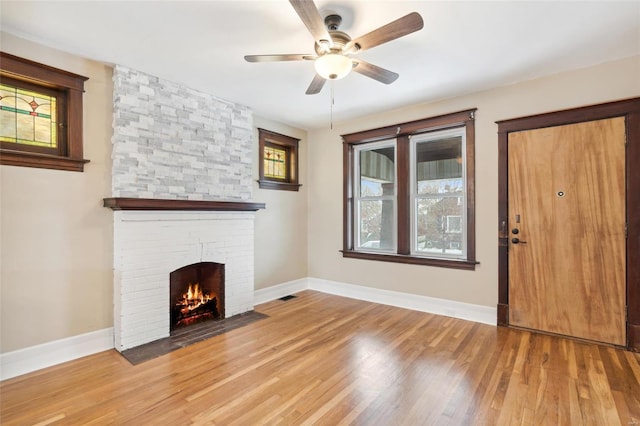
x: 323, y: 359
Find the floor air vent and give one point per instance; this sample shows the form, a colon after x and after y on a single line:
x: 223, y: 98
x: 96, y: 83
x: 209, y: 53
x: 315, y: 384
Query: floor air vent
x: 289, y: 297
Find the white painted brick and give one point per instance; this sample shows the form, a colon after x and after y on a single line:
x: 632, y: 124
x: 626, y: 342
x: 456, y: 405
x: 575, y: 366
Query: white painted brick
x: 148, y: 246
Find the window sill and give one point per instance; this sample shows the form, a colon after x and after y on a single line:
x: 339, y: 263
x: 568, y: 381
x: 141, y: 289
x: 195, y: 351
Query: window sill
x: 286, y: 186
x: 469, y: 265
x: 42, y: 161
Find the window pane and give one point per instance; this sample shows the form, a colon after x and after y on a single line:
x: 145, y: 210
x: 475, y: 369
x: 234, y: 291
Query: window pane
x: 376, y: 224
x: 439, y: 226
x: 27, y: 117
x: 377, y: 172
x: 439, y: 166
x: 275, y: 165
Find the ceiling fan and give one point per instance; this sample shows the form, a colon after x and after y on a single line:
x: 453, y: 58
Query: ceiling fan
x: 334, y: 48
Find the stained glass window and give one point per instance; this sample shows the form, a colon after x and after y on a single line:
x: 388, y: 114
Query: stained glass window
x: 27, y: 117
x: 275, y: 163
x: 278, y: 161
x: 40, y: 115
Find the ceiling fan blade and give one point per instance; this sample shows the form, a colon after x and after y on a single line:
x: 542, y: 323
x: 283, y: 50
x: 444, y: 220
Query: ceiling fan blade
x: 276, y: 58
x: 393, y: 30
x: 316, y: 85
x: 308, y: 12
x: 375, y: 72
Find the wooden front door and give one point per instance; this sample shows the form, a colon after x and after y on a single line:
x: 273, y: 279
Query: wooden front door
x: 566, y: 224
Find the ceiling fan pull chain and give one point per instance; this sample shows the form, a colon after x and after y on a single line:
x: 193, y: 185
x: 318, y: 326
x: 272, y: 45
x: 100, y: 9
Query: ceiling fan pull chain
x: 332, y: 102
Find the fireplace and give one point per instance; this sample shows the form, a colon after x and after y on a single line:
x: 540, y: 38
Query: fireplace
x: 154, y: 238
x: 196, y: 294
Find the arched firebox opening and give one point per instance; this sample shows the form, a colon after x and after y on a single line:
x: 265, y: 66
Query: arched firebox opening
x: 196, y: 294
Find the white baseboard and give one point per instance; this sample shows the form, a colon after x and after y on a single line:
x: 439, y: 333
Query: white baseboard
x: 280, y: 290
x: 450, y: 308
x: 34, y: 358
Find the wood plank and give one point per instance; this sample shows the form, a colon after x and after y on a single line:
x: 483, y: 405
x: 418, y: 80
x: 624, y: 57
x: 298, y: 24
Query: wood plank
x: 332, y: 360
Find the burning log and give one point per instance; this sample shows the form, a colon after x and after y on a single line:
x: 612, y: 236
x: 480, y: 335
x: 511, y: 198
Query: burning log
x: 194, y: 306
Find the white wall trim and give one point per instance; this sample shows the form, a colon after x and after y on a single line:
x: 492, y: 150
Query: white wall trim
x: 280, y: 290
x: 432, y: 305
x: 34, y: 358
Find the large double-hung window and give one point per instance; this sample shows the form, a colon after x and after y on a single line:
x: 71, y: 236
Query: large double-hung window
x: 409, y: 192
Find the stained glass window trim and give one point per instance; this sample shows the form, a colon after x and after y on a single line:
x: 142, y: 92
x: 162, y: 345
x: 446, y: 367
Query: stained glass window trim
x: 49, y: 143
x: 278, y: 161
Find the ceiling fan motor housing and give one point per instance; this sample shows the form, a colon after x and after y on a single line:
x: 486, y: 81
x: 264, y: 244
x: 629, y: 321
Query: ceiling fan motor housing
x: 333, y: 21
x: 340, y: 40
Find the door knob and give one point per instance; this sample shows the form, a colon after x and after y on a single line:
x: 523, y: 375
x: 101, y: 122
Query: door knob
x: 517, y: 241
x: 514, y: 231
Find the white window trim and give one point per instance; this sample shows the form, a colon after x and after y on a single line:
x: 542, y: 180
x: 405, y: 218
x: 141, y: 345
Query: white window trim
x: 428, y: 137
x: 357, y: 197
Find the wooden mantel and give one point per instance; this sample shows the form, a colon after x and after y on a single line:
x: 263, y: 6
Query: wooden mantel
x: 120, y: 203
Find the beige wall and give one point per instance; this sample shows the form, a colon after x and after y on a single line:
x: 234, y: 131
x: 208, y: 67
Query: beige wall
x: 56, y: 243
x: 281, y: 229
x: 603, y: 83
x: 56, y: 238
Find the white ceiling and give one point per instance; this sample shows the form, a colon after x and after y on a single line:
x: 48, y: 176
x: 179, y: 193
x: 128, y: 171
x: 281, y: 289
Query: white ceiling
x: 464, y: 46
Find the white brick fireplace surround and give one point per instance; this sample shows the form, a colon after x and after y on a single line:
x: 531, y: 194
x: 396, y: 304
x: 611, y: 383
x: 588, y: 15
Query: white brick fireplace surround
x: 149, y: 245
x: 182, y: 175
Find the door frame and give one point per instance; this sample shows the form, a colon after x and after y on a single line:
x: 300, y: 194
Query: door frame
x: 628, y: 108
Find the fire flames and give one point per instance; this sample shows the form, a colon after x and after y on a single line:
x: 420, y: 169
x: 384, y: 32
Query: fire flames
x: 193, y: 298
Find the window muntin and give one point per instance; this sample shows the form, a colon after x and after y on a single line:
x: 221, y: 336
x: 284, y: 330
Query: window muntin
x: 438, y: 194
x: 375, y: 200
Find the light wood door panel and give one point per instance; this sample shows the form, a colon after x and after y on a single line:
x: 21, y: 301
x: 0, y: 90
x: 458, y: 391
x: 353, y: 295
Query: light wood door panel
x: 567, y: 187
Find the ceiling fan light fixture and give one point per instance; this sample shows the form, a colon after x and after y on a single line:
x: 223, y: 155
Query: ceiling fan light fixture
x: 333, y: 66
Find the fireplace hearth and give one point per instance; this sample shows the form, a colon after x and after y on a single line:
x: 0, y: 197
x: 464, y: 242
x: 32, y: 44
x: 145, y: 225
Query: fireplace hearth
x: 196, y: 294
